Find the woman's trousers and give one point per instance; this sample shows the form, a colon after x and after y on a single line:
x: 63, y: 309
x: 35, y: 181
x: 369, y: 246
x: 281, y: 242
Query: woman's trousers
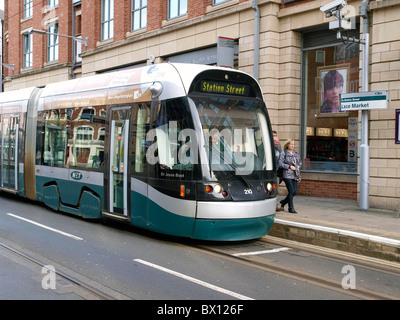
x: 291, y: 186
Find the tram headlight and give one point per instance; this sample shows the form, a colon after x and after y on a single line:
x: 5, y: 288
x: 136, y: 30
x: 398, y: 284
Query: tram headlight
x: 270, y: 187
x: 218, y: 188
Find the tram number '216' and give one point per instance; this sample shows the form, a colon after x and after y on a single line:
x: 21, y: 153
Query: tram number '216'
x: 248, y: 191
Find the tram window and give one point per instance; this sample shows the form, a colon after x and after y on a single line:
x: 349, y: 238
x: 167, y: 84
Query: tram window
x: 65, y: 137
x: 176, y: 147
x: 239, y: 134
x: 86, y: 143
x: 141, y: 120
x: 55, y: 137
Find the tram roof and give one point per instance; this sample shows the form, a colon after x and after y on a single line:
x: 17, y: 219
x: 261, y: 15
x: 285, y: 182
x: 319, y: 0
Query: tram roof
x: 179, y: 73
x: 16, y: 95
x: 124, y: 86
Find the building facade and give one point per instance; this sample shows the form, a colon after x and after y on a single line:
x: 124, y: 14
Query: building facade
x: 286, y: 44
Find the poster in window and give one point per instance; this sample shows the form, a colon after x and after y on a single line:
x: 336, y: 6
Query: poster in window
x: 333, y: 81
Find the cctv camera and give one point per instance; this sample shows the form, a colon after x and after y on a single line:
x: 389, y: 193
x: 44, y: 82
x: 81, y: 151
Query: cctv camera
x: 333, y: 6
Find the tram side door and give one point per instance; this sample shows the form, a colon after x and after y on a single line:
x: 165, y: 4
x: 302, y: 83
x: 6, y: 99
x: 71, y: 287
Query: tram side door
x: 9, y: 151
x: 118, y: 190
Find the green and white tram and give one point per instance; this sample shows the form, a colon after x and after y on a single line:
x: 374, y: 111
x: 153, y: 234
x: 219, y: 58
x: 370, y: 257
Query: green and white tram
x: 180, y: 149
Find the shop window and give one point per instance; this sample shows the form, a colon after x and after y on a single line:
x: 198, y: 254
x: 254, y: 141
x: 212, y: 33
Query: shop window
x: 330, y: 136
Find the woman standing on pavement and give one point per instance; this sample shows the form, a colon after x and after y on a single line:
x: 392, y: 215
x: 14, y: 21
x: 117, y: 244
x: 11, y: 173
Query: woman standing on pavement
x: 290, y: 161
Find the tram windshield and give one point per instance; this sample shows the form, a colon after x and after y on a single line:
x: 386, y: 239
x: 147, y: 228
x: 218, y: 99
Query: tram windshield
x: 236, y: 135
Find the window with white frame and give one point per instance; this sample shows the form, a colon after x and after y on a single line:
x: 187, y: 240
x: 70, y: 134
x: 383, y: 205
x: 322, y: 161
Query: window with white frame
x: 107, y: 19
x: 215, y: 2
x: 78, y: 50
x: 52, y: 42
x: 28, y: 8
x: 28, y: 50
x: 52, y: 3
x: 176, y: 8
x: 139, y: 14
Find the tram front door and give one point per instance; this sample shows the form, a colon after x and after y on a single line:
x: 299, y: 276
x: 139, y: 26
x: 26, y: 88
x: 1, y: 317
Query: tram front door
x: 9, y: 151
x: 118, y: 164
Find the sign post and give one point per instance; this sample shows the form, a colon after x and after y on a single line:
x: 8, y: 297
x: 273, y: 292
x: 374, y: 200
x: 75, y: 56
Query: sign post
x: 225, y: 52
x: 364, y: 101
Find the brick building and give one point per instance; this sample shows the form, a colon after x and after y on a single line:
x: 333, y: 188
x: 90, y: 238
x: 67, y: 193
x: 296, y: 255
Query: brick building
x: 293, y: 54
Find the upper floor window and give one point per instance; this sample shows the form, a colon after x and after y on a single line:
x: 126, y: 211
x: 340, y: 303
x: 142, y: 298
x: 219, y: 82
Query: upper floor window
x: 28, y: 50
x: 139, y: 14
x: 107, y: 19
x: 28, y: 8
x: 215, y: 2
x: 52, y: 3
x: 52, y: 42
x: 176, y: 8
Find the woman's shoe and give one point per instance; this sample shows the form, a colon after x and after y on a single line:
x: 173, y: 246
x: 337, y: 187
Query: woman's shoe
x: 291, y: 210
x: 282, y: 205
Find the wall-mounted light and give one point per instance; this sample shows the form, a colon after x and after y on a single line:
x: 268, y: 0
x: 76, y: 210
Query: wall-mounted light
x: 9, y: 66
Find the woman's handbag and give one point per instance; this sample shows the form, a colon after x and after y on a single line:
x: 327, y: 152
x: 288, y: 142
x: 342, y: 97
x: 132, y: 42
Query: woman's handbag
x: 297, y: 170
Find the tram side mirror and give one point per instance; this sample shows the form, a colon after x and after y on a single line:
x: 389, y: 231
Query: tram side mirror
x: 156, y: 89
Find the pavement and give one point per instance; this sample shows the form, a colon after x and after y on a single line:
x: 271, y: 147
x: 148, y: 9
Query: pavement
x: 340, y: 224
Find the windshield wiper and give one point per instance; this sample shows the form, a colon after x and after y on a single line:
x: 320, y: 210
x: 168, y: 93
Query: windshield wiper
x: 232, y: 165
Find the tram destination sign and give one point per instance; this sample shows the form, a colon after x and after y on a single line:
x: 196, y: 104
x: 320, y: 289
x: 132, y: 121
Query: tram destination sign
x: 224, y: 88
x: 364, y: 101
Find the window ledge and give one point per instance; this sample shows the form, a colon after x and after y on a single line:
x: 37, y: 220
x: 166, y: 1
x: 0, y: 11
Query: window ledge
x: 166, y: 23
x: 134, y: 33
x: 105, y: 42
x: 221, y: 6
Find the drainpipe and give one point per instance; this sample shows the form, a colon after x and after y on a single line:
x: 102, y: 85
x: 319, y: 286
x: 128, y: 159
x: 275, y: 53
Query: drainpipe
x: 71, y: 70
x: 256, y: 39
x: 364, y: 147
x: 2, y: 56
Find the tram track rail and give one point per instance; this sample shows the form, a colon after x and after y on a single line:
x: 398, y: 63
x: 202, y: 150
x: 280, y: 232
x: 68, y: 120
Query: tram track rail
x: 360, y: 293
x: 97, y: 291
x: 87, y: 288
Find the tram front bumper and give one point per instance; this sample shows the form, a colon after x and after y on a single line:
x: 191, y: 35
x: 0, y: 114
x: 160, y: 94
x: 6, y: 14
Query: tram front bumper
x: 233, y: 221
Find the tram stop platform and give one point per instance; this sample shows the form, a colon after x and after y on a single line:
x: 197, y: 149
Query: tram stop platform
x: 340, y: 224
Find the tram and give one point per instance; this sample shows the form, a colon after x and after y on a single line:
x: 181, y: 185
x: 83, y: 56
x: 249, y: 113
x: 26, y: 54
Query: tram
x: 179, y: 149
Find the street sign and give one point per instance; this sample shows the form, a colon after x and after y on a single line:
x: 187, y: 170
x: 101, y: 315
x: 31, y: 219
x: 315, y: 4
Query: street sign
x: 364, y: 101
x: 225, y: 52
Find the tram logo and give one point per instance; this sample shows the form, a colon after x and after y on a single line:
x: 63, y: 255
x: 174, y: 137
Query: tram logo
x: 76, y: 175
